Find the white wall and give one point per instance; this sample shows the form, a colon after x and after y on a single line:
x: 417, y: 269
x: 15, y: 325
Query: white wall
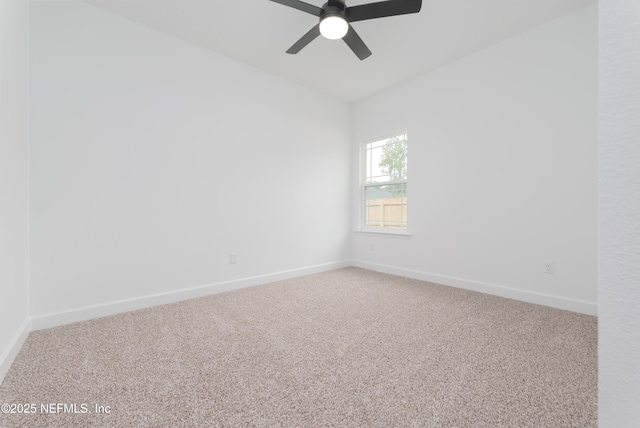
x: 153, y: 159
x: 502, y: 168
x: 619, y: 197
x: 14, y: 211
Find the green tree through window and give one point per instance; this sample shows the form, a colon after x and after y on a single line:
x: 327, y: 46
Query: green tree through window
x: 394, y: 159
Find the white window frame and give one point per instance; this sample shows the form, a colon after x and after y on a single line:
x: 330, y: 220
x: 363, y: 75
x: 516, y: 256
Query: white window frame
x: 363, y: 186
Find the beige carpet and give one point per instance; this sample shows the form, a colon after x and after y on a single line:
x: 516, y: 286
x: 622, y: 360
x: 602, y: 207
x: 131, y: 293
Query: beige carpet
x: 346, y: 348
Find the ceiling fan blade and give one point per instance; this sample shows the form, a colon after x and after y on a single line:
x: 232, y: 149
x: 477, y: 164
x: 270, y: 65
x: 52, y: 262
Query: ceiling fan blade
x: 382, y: 9
x: 300, y: 5
x: 305, y: 40
x: 356, y: 44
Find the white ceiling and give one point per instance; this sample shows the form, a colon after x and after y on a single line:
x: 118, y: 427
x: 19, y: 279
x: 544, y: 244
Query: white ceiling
x: 258, y: 32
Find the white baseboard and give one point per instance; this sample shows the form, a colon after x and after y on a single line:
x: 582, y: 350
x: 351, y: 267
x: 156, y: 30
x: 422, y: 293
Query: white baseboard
x: 574, y: 305
x: 12, y: 349
x: 55, y: 319
x: 39, y: 322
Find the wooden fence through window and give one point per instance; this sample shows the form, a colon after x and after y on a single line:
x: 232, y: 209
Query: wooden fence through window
x: 387, y: 212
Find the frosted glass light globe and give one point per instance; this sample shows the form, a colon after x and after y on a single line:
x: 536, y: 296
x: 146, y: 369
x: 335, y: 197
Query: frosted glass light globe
x: 334, y: 27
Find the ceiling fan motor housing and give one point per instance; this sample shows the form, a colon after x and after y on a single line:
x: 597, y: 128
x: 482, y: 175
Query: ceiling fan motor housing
x: 333, y: 8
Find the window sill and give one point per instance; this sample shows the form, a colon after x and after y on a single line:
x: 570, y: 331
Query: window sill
x: 404, y: 234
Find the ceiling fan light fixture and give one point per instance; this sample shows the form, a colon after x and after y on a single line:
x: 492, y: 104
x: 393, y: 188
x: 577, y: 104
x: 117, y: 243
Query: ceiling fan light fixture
x: 334, y: 27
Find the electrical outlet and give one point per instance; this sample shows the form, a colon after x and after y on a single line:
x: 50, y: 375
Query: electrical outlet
x: 549, y: 266
x: 371, y: 246
x: 233, y: 259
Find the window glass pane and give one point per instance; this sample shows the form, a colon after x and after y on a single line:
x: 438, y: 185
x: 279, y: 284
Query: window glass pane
x: 386, y: 206
x: 387, y: 160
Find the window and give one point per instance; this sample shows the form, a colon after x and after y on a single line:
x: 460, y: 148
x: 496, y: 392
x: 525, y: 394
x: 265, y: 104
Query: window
x: 384, y: 185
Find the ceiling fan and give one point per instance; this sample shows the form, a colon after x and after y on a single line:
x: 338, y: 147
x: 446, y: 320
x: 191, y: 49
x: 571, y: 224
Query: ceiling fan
x: 336, y: 17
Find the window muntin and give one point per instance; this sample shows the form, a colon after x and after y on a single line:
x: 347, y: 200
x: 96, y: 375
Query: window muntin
x: 385, y: 183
